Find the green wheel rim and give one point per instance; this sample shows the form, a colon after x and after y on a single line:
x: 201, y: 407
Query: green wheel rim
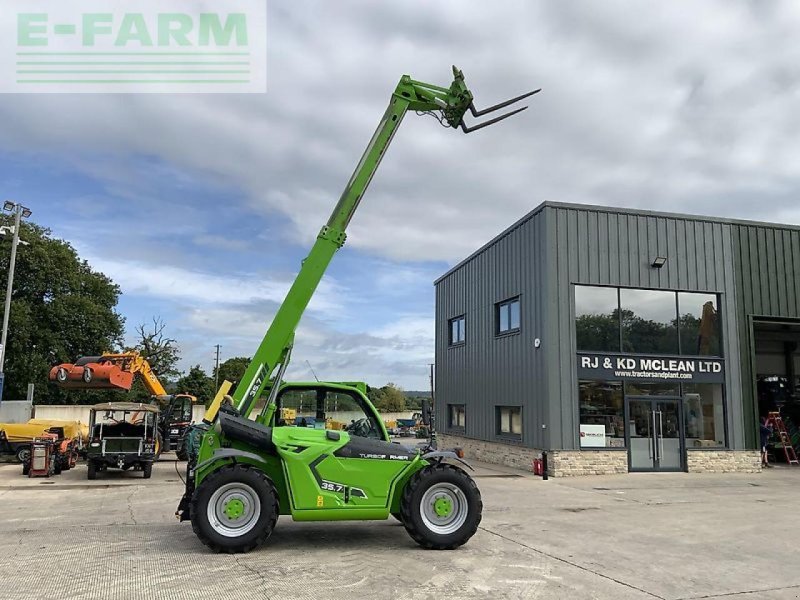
x: 444, y: 508
x: 233, y: 509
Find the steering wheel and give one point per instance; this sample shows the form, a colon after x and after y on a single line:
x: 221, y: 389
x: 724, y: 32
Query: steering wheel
x: 362, y: 428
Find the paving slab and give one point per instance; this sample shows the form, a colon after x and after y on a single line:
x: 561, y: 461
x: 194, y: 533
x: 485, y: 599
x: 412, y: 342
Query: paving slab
x: 627, y: 537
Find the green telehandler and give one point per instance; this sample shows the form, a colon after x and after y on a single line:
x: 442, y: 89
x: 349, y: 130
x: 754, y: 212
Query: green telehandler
x: 243, y: 473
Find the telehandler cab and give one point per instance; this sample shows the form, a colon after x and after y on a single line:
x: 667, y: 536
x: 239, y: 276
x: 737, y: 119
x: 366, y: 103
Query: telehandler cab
x: 243, y: 473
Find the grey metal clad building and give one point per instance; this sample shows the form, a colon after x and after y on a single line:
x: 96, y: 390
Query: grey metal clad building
x: 620, y: 340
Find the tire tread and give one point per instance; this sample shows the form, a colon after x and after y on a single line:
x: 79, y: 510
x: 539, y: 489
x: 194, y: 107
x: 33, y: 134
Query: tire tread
x: 263, y: 535
x: 419, y: 535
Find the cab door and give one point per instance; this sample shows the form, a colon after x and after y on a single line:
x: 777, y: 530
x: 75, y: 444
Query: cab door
x: 333, y: 470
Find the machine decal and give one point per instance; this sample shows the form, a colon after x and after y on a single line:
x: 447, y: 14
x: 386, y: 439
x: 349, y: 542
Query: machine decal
x: 332, y: 486
x: 384, y: 456
x: 256, y: 383
x: 360, y: 447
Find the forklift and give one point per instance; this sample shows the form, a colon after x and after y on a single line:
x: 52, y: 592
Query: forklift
x: 244, y: 472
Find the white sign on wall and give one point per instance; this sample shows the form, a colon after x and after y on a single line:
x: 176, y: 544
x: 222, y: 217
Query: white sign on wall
x: 593, y: 436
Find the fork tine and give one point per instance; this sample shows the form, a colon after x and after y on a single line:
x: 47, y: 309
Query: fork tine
x: 479, y: 113
x: 467, y: 129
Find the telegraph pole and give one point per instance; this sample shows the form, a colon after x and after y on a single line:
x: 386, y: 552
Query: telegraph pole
x: 19, y: 211
x: 216, y: 369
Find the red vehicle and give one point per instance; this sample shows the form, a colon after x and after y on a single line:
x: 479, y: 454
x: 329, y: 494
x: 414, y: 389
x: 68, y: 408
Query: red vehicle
x: 92, y: 372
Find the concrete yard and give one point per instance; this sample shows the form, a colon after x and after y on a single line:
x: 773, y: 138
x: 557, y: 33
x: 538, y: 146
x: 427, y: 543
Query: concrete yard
x: 644, y: 536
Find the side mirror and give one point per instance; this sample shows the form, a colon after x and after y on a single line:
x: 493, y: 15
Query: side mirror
x: 426, y: 411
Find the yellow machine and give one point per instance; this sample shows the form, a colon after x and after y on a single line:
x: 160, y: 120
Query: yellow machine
x: 16, y: 438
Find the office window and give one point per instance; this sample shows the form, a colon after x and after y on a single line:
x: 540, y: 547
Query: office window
x: 646, y: 321
x: 649, y: 321
x: 509, y: 421
x: 458, y: 416
x: 699, y: 324
x: 507, y: 315
x: 458, y: 333
x: 602, y: 413
x: 597, y: 319
x: 704, y: 414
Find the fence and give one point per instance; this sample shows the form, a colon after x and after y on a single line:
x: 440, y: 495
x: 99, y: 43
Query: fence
x: 15, y: 411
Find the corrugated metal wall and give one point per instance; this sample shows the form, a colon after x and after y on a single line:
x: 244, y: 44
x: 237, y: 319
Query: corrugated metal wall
x: 768, y: 259
x: 755, y: 267
x: 598, y: 246
x: 488, y: 370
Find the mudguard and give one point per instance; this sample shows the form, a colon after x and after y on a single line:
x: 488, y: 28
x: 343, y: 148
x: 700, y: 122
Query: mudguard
x: 441, y: 454
x: 233, y: 453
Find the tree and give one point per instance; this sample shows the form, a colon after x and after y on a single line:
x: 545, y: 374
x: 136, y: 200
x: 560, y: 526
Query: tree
x: 159, y: 350
x: 233, y: 369
x: 61, y: 309
x: 197, y: 383
x: 389, y: 398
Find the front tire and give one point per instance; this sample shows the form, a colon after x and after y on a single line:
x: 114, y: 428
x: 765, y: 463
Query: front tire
x: 91, y: 470
x: 441, y: 507
x: 235, y: 509
x: 147, y: 470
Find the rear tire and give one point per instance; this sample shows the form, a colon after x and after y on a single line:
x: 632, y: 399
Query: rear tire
x: 91, y: 470
x: 147, y: 470
x: 441, y: 507
x: 26, y: 468
x: 23, y: 453
x: 235, y: 509
x: 182, y: 451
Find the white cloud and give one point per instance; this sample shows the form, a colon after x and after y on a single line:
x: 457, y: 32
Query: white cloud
x: 684, y: 106
x: 200, y: 288
x: 680, y: 106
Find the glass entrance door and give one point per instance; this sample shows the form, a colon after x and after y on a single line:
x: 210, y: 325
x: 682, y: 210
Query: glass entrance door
x: 655, y: 439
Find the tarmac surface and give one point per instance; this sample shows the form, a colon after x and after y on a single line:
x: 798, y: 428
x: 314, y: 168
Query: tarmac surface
x: 642, y: 536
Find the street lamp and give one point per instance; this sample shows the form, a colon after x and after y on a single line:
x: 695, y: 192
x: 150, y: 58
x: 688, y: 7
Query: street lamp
x: 19, y: 212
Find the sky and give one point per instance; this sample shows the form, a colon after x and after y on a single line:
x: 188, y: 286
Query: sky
x: 201, y: 207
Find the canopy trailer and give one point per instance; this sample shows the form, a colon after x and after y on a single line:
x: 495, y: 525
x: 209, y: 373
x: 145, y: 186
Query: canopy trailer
x: 123, y: 436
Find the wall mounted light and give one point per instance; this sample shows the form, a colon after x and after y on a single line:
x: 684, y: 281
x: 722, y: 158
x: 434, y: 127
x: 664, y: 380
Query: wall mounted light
x: 658, y: 262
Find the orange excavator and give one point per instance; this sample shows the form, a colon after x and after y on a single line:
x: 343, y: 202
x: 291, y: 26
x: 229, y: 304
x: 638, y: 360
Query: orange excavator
x: 117, y: 371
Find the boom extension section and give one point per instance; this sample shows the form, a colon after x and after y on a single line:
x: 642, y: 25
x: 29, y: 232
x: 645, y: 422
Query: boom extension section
x: 449, y: 105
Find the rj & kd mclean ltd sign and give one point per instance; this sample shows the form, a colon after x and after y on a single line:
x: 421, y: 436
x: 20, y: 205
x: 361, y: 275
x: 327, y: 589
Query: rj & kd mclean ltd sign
x: 652, y: 368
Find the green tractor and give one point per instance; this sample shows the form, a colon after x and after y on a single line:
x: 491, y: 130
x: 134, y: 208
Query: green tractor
x: 244, y: 472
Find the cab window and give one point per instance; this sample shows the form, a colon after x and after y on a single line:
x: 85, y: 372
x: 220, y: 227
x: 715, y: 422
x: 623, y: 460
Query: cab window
x: 182, y: 410
x: 326, y: 409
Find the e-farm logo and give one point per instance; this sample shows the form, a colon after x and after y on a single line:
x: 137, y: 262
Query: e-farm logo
x: 133, y: 46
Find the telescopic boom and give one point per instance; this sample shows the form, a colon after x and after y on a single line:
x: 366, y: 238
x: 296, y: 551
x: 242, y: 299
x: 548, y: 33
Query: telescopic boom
x: 449, y: 105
